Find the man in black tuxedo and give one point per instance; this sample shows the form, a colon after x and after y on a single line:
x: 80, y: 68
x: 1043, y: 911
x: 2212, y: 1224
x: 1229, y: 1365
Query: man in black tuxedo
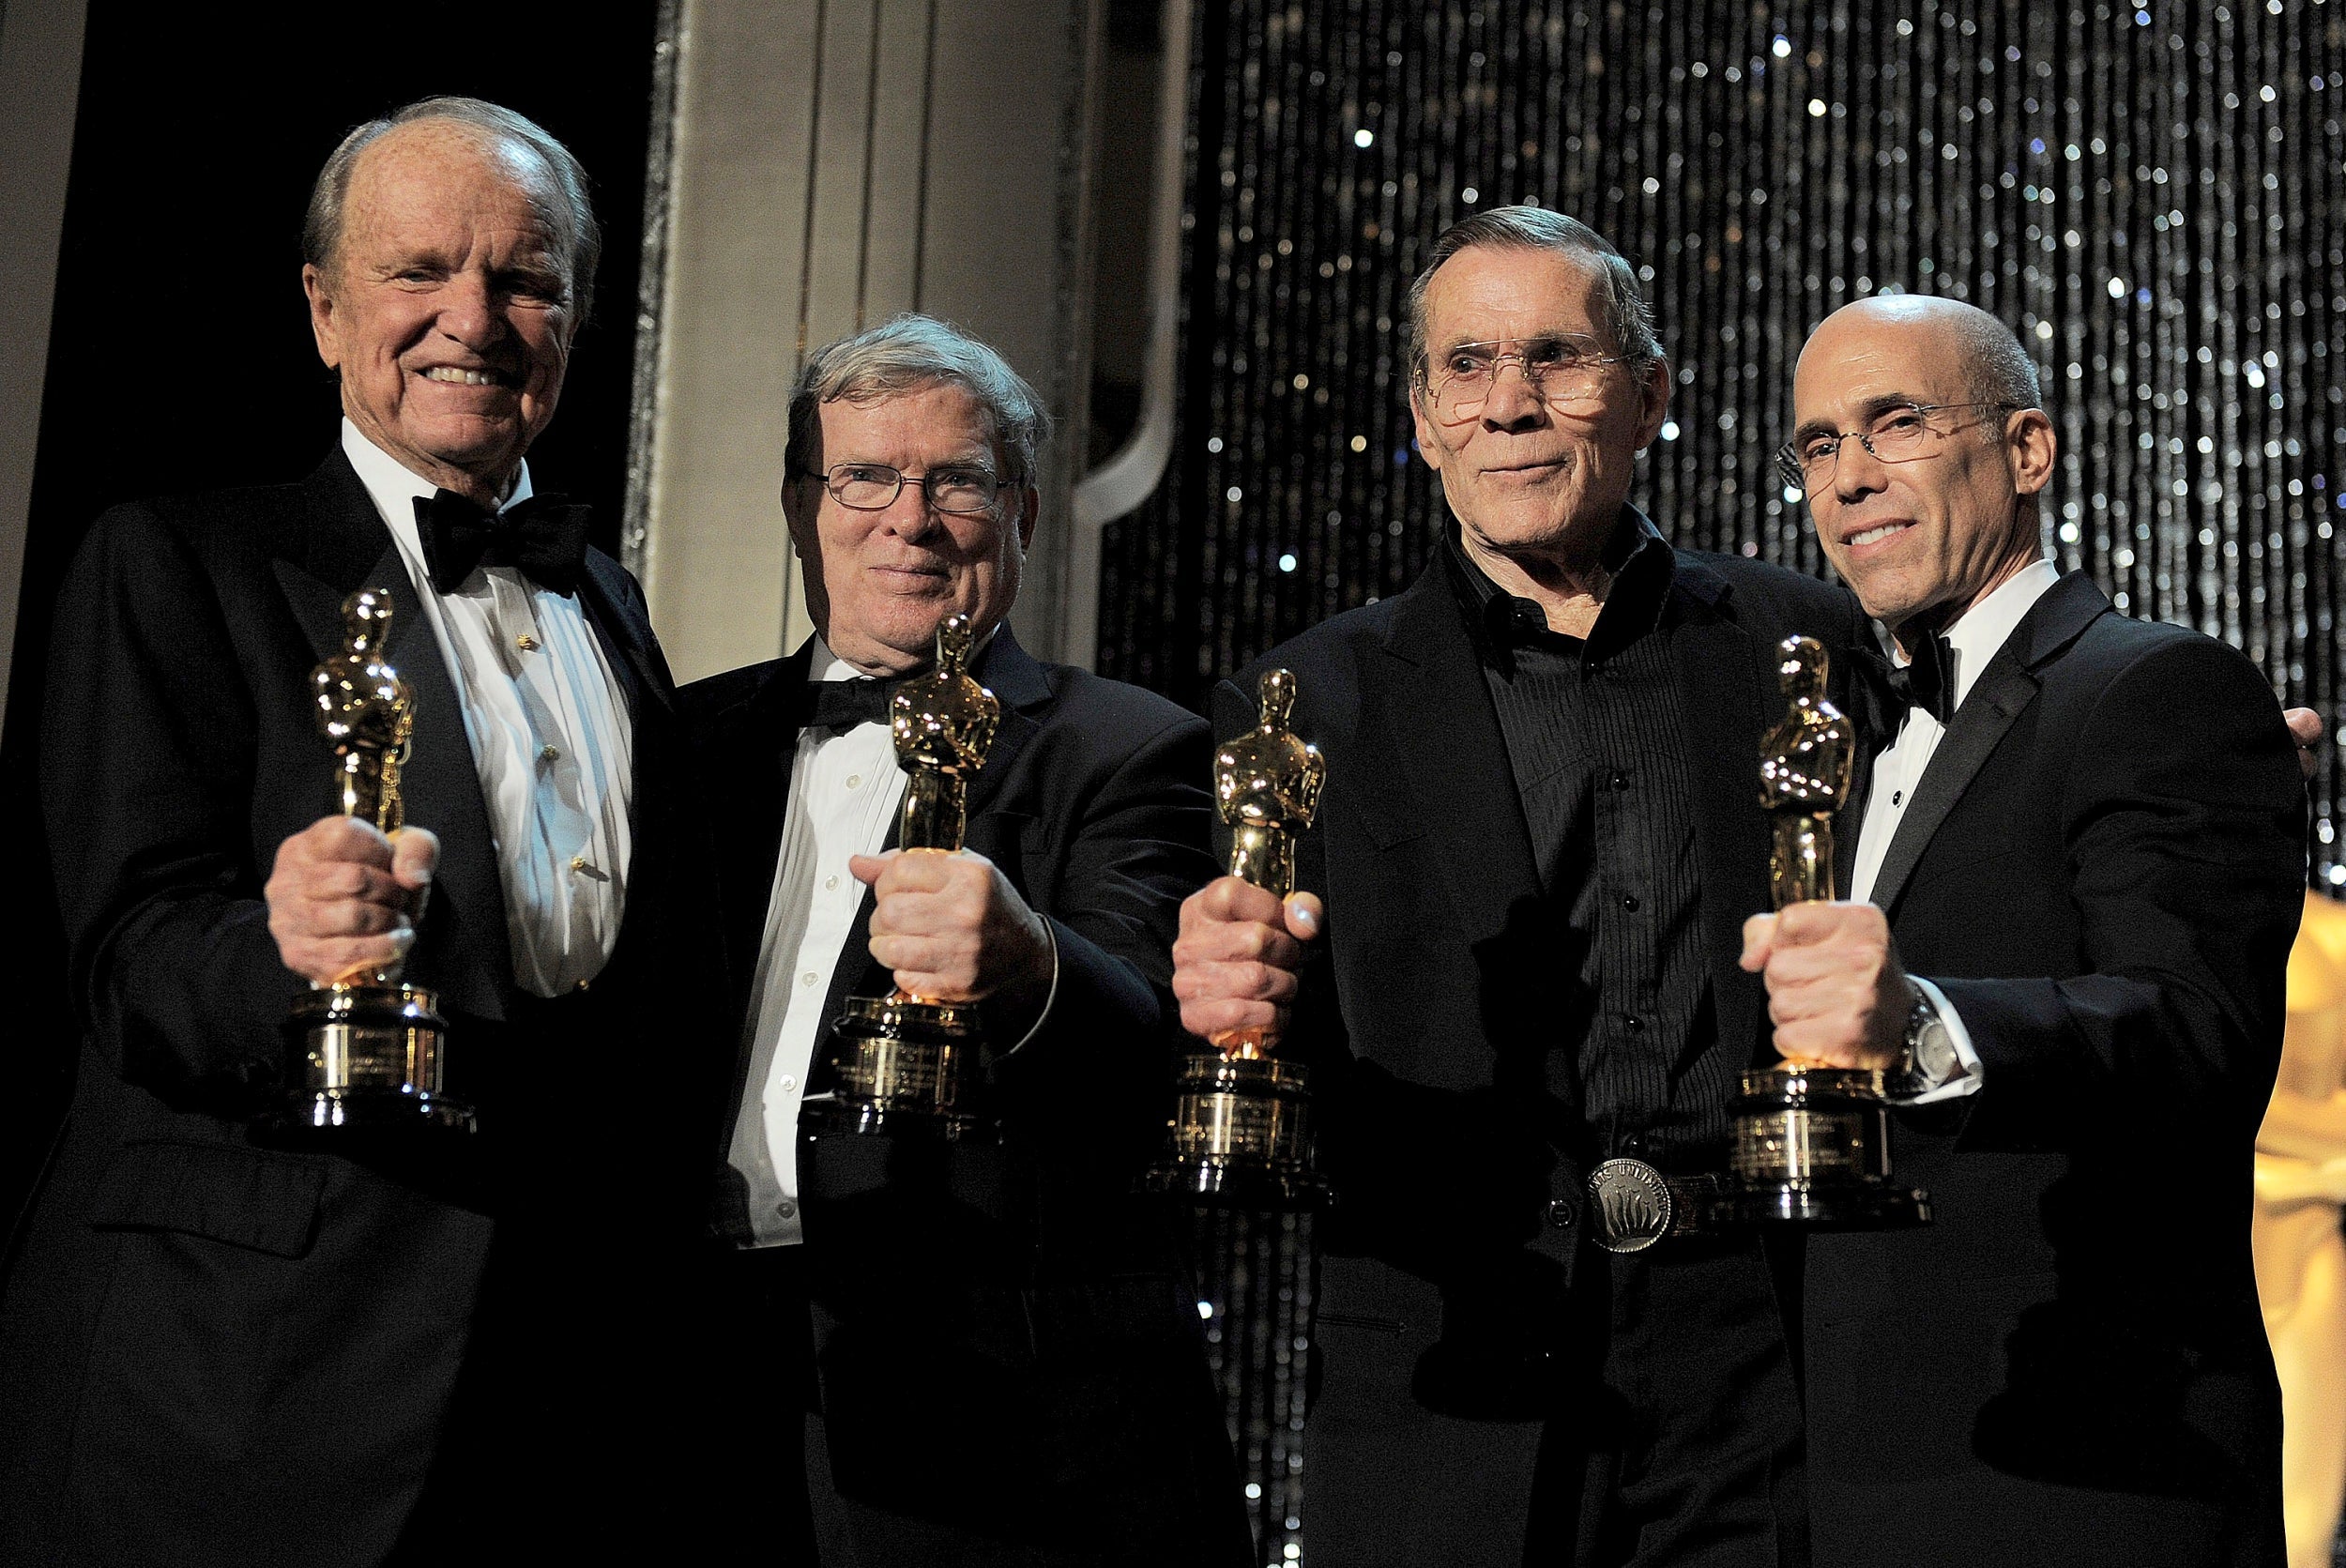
x: 2088, y: 832
x: 1539, y: 836
x: 216, y: 1351
x: 1006, y: 1356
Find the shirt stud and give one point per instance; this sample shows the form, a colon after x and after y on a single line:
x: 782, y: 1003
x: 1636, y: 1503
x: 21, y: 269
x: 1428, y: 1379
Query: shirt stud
x: 526, y: 643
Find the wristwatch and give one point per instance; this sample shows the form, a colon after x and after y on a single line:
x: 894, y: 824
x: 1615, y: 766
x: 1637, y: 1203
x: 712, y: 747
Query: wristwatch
x: 1931, y: 1059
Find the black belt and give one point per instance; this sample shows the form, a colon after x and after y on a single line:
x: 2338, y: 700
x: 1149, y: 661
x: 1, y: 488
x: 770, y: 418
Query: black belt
x: 1631, y: 1205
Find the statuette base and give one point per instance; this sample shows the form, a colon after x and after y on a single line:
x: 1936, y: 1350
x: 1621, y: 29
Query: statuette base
x: 906, y: 1067
x: 1811, y: 1147
x: 1240, y: 1136
x: 369, y: 1058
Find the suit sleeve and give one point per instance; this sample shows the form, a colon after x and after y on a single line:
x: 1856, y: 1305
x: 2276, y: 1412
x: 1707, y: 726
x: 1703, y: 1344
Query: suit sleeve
x: 146, y: 782
x: 1136, y: 848
x: 2184, y: 819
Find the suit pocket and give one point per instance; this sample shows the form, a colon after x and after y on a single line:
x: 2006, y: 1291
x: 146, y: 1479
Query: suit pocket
x: 208, y: 1266
x: 245, y: 1197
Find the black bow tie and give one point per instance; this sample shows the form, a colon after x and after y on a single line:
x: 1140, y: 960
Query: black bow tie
x: 1926, y: 682
x: 544, y: 537
x: 842, y: 704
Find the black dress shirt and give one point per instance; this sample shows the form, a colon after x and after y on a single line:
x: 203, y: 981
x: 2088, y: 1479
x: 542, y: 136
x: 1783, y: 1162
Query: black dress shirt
x: 1594, y: 739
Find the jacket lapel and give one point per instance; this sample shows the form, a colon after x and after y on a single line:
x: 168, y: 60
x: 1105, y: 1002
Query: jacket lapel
x: 1011, y: 674
x: 626, y: 638
x: 2005, y: 688
x: 1852, y: 693
x: 1439, y: 722
x: 462, y: 948
x: 1716, y: 665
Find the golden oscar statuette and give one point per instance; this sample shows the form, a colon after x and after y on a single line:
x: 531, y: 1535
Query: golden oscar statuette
x: 909, y: 1064
x: 1811, y: 1144
x: 369, y: 1051
x: 1241, y: 1117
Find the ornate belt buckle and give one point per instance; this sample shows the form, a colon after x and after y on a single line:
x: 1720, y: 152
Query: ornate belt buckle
x: 1630, y: 1205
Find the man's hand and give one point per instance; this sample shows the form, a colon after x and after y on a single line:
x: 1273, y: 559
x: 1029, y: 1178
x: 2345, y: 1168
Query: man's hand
x: 954, y: 929
x: 343, y: 899
x: 1235, y: 963
x: 2305, y: 727
x: 1836, y: 993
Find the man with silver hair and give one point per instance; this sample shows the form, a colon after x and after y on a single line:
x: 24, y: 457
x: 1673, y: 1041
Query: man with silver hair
x: 1003, y: 1357
x: 1512, y: 966
x: 213, y: 1350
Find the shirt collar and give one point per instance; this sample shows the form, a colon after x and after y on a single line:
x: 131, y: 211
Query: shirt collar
x: 395, y: 488
x: 1988, y: 625
x: 1642, y: 564
x: 823, y: 664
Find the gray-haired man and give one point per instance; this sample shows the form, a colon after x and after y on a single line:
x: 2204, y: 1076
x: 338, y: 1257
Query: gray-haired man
x: 1005, y: 1352
x: 217, y: 1352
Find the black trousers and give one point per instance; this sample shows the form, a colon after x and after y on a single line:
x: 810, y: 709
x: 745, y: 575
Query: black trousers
x: 1685, y: 1447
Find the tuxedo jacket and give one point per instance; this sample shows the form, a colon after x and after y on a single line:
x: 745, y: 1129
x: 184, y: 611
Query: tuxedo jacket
x: 1012, y: 1312
x: 1448, y: 1094
x: 2102, y: 868
x: 212, y: 1350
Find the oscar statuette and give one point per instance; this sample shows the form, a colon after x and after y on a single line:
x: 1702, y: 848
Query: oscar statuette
x: 369, y: 1051
x: 909, y: 1064
x: 1811, y: 1144
x: 1241, y: 1119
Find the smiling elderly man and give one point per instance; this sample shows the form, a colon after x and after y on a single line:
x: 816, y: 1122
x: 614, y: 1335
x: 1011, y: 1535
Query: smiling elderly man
x: 217, y: 1352
x: 1538, y: 835
x: 1006, y: 1357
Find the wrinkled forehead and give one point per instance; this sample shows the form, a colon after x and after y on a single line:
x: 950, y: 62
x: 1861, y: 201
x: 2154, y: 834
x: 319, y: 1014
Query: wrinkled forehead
x: 428, y: 167
x: 1492, y: 293
x: 939, y: 418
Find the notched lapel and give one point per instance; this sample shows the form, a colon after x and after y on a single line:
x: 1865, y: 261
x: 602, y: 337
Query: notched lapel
x: 1439, y: 722
x: 1723, y: 709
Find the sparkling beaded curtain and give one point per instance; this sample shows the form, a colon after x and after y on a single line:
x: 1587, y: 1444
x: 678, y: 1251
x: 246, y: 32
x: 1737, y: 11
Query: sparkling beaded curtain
x: 2147, y: 194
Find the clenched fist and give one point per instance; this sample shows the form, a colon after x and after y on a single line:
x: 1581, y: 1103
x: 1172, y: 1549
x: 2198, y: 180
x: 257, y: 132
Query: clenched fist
x: 1235, y: 963
x: 343, y: 899
x: 1836, y: 993
x: 954, y: 929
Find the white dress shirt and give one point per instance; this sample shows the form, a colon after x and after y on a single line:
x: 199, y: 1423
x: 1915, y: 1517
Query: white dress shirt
x: 550, y: 738
x: 1974, y: 639
x: 845, y: 791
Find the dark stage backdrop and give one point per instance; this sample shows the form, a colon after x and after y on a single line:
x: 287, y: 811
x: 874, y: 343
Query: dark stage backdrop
x: 2149, y: 194
x: 181, y: 356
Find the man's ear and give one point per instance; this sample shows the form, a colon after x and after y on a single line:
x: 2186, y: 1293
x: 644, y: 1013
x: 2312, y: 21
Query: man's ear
x: 1653, y: 400
x: 323, y: 325
x: 2031, y: 447
x: 800, y: 501
x: 1423, y: 427
x: 1030, y: 512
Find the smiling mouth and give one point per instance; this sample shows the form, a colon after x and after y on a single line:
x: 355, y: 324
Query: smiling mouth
x: 1875, y: 536
x: 454, y: 375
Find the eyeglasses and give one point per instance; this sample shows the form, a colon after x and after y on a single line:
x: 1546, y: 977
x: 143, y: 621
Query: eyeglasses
x: 1566, y: 373
x: 1903, y: 434
x: 959, y: 492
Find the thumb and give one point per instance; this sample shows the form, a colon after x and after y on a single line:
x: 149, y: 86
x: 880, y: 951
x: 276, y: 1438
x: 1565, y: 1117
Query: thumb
x: 1305, y: 916
x: 1759, y: 939
x: 867, y: 868
x: 415, y: 856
